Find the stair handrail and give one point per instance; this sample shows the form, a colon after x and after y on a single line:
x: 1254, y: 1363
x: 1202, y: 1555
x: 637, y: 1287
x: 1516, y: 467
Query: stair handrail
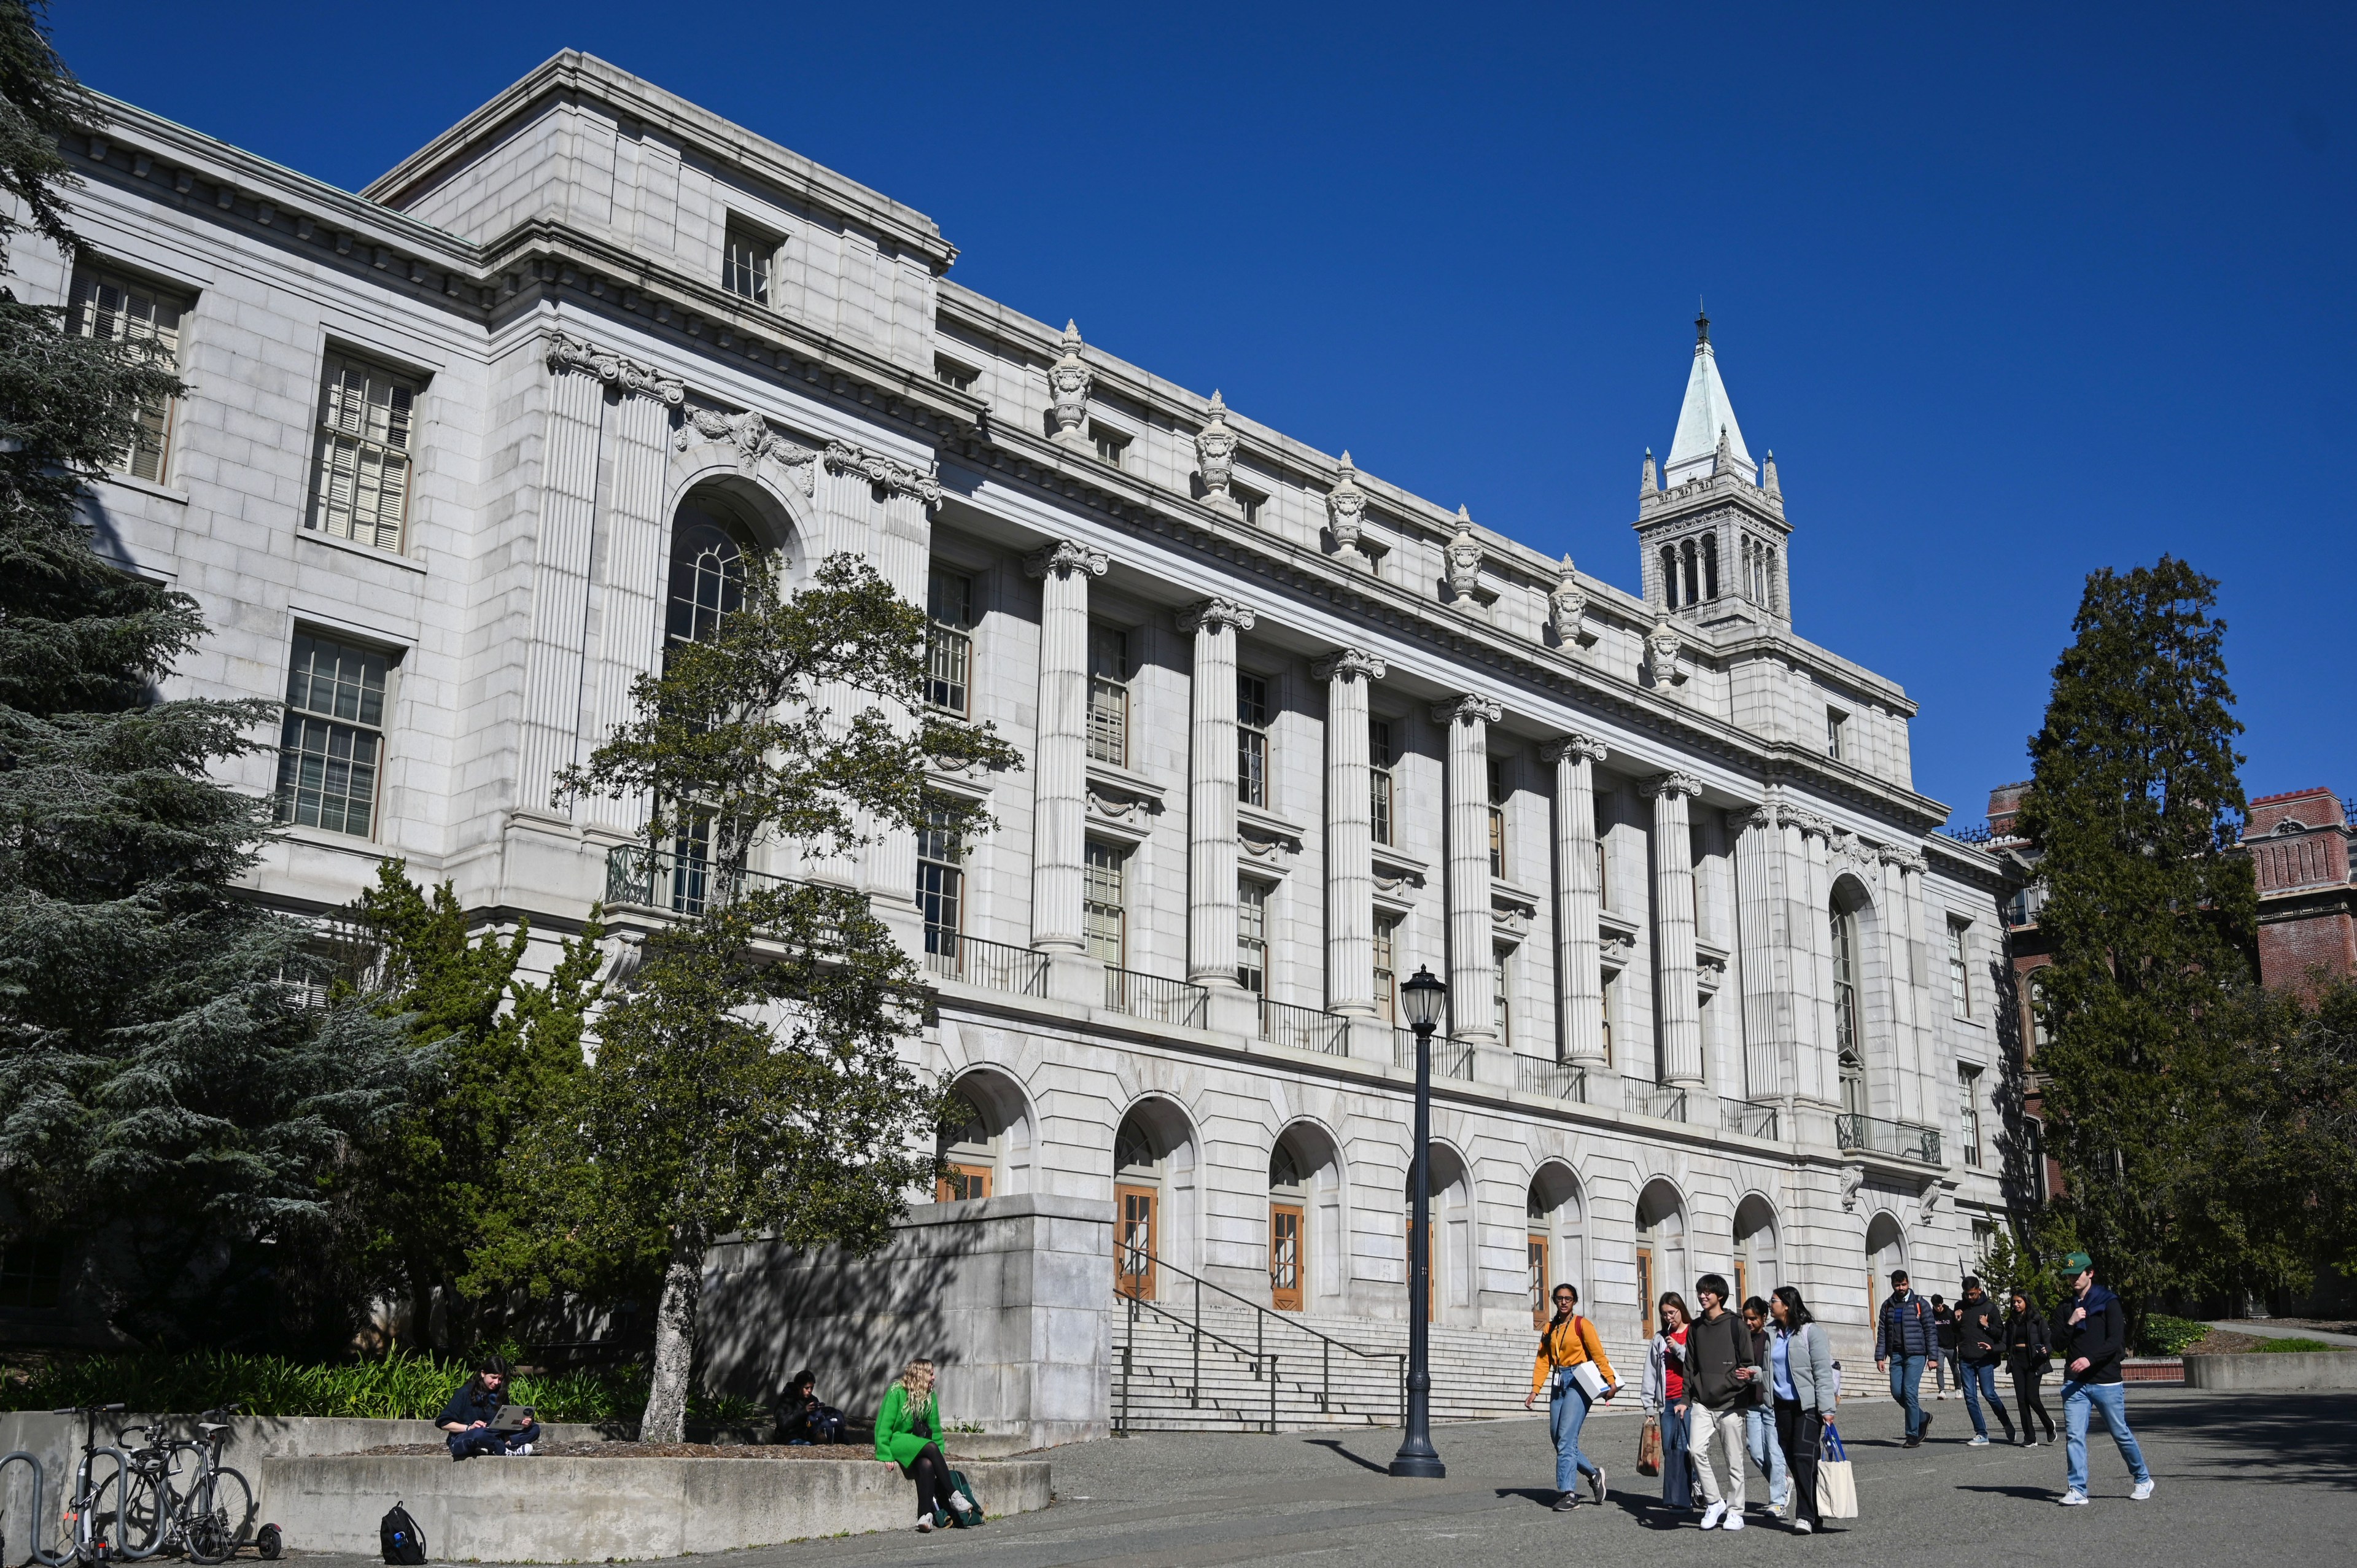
x: 1282, y: 1319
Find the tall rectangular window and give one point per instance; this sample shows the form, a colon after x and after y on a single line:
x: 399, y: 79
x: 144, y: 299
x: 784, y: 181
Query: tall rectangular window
x: 744, y: 263
x: 1382, y: 757
x: 1960, y: 974
x: 1836, y: 734
x: 1610, y: 981
x: 359, y: 486
x: 1386, y: 967
x: 113, y: 308
x: 1252, y: 936
x: 1968, y: 1091
x: 948, y: 643
x: 333, y: 742
x: 2034, y: 995
x: 941, y: 883
x: 1104, y: 904
x: 1497, y: 817
x: 1503, y: 983
x: 1252, y: 740
x: 1603, y: 872
x: 1109, y: 696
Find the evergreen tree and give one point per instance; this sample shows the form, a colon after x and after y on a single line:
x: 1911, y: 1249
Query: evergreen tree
x: 2134, y: 807
x: 166, y: 1097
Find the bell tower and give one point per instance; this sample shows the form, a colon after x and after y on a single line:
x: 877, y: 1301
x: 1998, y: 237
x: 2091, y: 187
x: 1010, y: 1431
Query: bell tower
x: 1711, y: 534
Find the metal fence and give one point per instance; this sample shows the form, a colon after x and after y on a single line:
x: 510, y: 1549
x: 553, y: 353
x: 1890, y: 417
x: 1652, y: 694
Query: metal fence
x: 1153, y: 997
x: 1749, y: 1121
x: 1876, y: 1135
x: 682, y: 883
x: 1304, y: 1028
x: 1661, y: 1102
x: 1557, y: 1080
x: 1000, y: 966
x: 1450, y: 1058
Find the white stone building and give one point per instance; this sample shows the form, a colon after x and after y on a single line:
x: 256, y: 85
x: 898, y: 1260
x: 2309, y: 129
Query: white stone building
x: 452, y: 451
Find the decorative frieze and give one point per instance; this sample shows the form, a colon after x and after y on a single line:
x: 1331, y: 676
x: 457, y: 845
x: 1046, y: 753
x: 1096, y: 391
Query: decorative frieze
x: 883, y: 473
x: 627, y: 376
x: 753, y: 439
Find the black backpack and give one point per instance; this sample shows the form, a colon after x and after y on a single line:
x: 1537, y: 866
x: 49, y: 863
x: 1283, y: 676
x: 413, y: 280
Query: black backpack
x: 401, y: 1540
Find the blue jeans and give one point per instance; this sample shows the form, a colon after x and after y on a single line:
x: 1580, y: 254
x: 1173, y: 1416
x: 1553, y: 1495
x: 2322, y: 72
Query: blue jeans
x: 1759, y: 1437
x: 1905, y: 1383
x: 2112, y: 1399
x: 1567, y: 1414
x: 1980, y: 1383
x: 482, y: 1440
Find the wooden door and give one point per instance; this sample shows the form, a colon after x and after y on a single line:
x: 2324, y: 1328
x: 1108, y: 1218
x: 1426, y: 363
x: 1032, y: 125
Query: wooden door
x: 1541, y: 1312
x: 1742, y: 1285
x: 1645, y: 1287
x: 1135, y: 1243
x: 962, y: 1181
x: 1285, y: 1256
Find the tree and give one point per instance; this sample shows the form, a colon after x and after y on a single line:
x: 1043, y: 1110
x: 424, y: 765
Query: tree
x: 2133, y: 808
x: 751, y: 1078
x: 165, y: 1093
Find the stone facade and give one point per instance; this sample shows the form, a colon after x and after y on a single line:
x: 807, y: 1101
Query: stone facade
x: 1293, y: 731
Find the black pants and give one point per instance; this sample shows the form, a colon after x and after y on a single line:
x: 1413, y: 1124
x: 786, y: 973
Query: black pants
x: 931, y: 1474
x: 2025, y: 1394
x: 1798, y: 1431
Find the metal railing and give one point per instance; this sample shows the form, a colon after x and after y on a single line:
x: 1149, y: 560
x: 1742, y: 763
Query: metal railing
x: 1661, y: 1102
x: 1153, y: 997
x: 685, y: 885
x: 1001, y: 966
x: 1748, y: 1119
x: 1875, y: 1135
x: 1304, y: 1028
x: 1450, y: 1058
x: 1135, y: 1264
x: 1557, y: 1080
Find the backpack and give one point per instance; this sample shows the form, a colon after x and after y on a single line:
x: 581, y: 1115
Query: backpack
x: 401, y: 1540
x: 964, y: 1488
x: 826, y: 1425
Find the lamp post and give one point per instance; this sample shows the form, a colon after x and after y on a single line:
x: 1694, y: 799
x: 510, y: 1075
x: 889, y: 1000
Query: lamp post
x: 1423, y: 996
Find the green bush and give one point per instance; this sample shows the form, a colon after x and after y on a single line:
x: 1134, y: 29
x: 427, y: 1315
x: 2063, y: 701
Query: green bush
x: 2165, y: 1336
x: 2295, y: 1344
x: 398, y: 1386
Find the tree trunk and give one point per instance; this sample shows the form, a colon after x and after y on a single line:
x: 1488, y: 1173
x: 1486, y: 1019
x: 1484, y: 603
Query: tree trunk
x: 666, y: 1417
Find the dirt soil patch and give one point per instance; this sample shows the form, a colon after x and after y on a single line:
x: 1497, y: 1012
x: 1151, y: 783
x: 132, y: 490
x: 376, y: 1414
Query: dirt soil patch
x: 650, y: 1451
x: 2223, y: 1342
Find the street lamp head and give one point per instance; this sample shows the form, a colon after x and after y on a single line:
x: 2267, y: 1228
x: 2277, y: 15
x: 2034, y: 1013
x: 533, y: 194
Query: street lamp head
x: 1423, y: 997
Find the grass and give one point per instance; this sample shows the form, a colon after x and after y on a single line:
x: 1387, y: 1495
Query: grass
x: 398, y: 1386
x: 2294, y: 1345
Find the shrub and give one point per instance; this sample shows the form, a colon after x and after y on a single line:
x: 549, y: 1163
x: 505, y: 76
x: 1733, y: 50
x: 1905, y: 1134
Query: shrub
x: 2295, y: 1344
x: 2165, y: 1336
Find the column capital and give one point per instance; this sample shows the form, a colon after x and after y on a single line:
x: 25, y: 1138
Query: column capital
x: 1349, y: 664
x: 1766, y: 814
x: 1574, y: 745
x: 1215, y: 614
x: 627, y: 376
x: 1670, y: 784
x: 1065, y: 555
x: 1904, y: 856
x: 1462, y: 710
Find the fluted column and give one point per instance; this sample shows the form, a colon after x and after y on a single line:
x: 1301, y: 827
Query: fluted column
x: 1677, y: 1002
x: 1349, y: 834
x: 1912, y: 955
x: 1579, y: 972
x: 1764, y: 869
x: 1060, y: 782
x: 1211, y: 792
x: 1472, y: 959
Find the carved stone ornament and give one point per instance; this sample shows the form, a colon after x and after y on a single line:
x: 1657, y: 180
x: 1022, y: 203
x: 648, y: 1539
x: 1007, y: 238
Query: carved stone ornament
x: 1274, y: 853
x: 1927, y: 1203
x: 1567, y: 608
x: 1069, y: 381
x: 1215, y: 452
x: 627, y: 376
x: 1852, y: 1179
x: 1063, y: 557
x: 1346, y: 507
x: 1573, y: 745
x: 1670, y: 784
x: 1464, y: 558
x: 1465, y: 709
x: 1348, y: 665
x: 1515, y: 923
x: 753, y: 437
x: 893, y: 478
x: 1138, y: 810
x: 1905, y: 857
x: 1215, y: 614
x: 1663, y: 646
x: 1768, y: 482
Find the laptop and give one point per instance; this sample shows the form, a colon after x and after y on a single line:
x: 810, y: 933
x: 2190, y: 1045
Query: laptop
x: 512, y: 1418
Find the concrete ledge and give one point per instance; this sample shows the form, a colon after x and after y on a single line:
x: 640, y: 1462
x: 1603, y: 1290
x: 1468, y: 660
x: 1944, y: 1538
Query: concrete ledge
x: 591, y: 1510
x: 2260, y: 1371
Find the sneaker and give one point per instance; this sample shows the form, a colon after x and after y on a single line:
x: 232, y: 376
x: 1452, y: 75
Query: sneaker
x: 1596, y: 1485
x: 1800, y: 1526
x: 1977, y: 1441
x: 1734, y: 1522
x: 2143, y: 1490
x: 1566, y: 1501
x: 525, y: 1449
x: 925, y: 1525
x: 1912, y: 1443
x: 1925, y: 1430
x: 1712, y: 1514
x: 2074, y: 1498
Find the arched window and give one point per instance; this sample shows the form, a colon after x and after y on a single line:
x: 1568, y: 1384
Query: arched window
x: 1848, y: 1047
x: 1670, y: 576
x: 707, y: 579
x: 1709, y: 566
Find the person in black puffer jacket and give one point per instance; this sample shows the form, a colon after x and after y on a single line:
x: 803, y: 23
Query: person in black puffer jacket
x: 1980, y: 1336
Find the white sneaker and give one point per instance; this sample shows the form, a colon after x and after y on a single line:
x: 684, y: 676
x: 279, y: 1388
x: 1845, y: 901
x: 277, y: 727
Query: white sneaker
x: 1800, y: 1526
x: 2074, y: 1499
x: 2143, y: 1490
x: 1977, y: 1441
x: 1734, y: 1522
x: 526, y: 1449
x: 925, y: 1525
x: 1713, y: 1514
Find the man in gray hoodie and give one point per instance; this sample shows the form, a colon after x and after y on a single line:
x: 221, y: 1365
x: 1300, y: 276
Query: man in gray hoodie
x: 1720, y: 1368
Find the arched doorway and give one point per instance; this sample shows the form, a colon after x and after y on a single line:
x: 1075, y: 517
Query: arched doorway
x: 1450, y: 1285
x: 1886, y: 1250
x: 1153, y: 1177
x: 1661, y: 1248
x: 1554, y: 1238
x: 1755, y: 1249
x: 985, y: 1142
x: 1305, y: 1217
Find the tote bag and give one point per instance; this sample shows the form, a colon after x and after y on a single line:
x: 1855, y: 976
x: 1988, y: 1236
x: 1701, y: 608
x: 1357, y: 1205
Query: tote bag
x: 1649, y: 1446
x: 1837, y: 1487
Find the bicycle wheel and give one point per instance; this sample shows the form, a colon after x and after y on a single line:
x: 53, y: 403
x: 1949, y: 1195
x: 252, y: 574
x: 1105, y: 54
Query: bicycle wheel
x: 221, y: 1517
x: 146, y: 1511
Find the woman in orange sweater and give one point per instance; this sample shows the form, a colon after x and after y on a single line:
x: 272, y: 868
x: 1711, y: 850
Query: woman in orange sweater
x: 1568, y: 1347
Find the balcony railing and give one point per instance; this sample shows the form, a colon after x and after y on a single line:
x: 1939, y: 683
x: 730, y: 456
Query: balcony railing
x: 1000, y: 966
x: 1661, y: 1102
x: 1153, y: 997
x: 685, y: 885
x: 1748, y: 1119
x: 1557, y: 1081
x: 1450, y: 1058
x: 1304, y: 1028
x: 1875, y: 1135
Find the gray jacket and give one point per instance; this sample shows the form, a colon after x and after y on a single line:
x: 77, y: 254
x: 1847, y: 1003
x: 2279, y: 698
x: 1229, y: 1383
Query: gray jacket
x: 1811, y: 1356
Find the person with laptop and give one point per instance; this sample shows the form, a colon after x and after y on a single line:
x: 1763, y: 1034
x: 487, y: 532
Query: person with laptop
x: 480, y: 1421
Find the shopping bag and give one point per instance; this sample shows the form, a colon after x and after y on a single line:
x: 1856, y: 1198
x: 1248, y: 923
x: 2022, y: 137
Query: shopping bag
x: 1837, y: 1486
x: 1648, y: 1447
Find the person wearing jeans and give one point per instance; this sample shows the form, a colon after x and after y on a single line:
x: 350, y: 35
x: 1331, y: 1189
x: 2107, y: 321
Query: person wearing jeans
x: 1566, y: 1343
x: 1980, y: 1345
x: 2090, y: 1333
x: 1904, y: 1339
x: 1760, y: 1413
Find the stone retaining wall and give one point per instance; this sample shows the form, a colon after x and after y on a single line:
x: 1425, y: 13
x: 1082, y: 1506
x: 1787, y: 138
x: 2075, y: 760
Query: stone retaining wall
x: 2273, y: 1371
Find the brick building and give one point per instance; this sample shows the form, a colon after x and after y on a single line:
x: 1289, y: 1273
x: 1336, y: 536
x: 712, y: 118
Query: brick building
x: 2299, y: 845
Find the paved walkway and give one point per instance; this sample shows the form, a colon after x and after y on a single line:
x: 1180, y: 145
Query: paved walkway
x: 2268, y: 1328
x: 2243, y: 1481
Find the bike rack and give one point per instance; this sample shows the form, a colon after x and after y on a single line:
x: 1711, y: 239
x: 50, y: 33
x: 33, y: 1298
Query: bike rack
x: 41, y: 1515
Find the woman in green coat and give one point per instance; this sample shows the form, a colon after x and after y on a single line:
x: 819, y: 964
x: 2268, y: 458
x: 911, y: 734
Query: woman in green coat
x: 908, y: 1434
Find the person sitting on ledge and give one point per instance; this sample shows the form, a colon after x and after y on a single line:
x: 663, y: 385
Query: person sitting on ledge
x: 802, y: 1419
x: 908, y: 1434
x: 468, y: 1415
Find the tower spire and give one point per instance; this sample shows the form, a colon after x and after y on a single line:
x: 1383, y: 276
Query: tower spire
x: 1704, y: 419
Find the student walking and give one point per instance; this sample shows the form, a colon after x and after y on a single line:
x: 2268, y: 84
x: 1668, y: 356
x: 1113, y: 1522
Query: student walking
x: 1904, y: 1339
x: 1719, y: 1373
x: 1760, y: 1413
x: 1568, y: 1343
x: 1980, y: 1345
x: 908, y: 1434
x: 2090, y: 1333
x: 1944, y: 1375
x: 2028, y: 1351
x: 1802, y: 1381
x: 1664, y: 1395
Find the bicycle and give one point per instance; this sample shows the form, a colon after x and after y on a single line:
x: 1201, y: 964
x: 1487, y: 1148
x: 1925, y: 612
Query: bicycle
x: 83, y: 1533
x: 207, y: 1521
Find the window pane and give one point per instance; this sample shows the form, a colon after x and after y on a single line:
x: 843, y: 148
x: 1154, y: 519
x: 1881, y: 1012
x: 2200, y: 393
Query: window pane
x: 1103, y: 903
x: 113, y: 308
x: 359, y: 486
x: 1251, y: 937
x: 326, y: 769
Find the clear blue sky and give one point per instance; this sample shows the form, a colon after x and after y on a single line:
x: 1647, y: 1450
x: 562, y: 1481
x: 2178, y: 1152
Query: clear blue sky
x: 2013, y: 293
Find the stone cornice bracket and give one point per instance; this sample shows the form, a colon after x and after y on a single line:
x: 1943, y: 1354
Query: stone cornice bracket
x: 1567, y: 608
x: 893, y: 478
x: 628, y: 377
x: 1215, y: 454
x: 1573, y: 745
x: 1215, y: 613
x: 1852, y: 1178
x: 1064, y: 556
x: 1465, y: 709
x: 1663, y: 646
x: 1349, y: 664
x: 750, y: 434
x: 1070, y: 381
x: 1345, y: 509
x: 1670, y: 784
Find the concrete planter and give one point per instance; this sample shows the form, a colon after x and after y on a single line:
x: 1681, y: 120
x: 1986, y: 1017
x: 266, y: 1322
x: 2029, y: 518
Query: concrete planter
x: 2259, y: 1371
x: 561, y: 1511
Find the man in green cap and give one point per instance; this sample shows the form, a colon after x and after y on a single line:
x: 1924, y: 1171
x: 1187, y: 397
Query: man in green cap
x: 2090, y: 1334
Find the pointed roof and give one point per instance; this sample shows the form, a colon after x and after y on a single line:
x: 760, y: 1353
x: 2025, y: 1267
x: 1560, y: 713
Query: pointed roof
x: 1704, y: 417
